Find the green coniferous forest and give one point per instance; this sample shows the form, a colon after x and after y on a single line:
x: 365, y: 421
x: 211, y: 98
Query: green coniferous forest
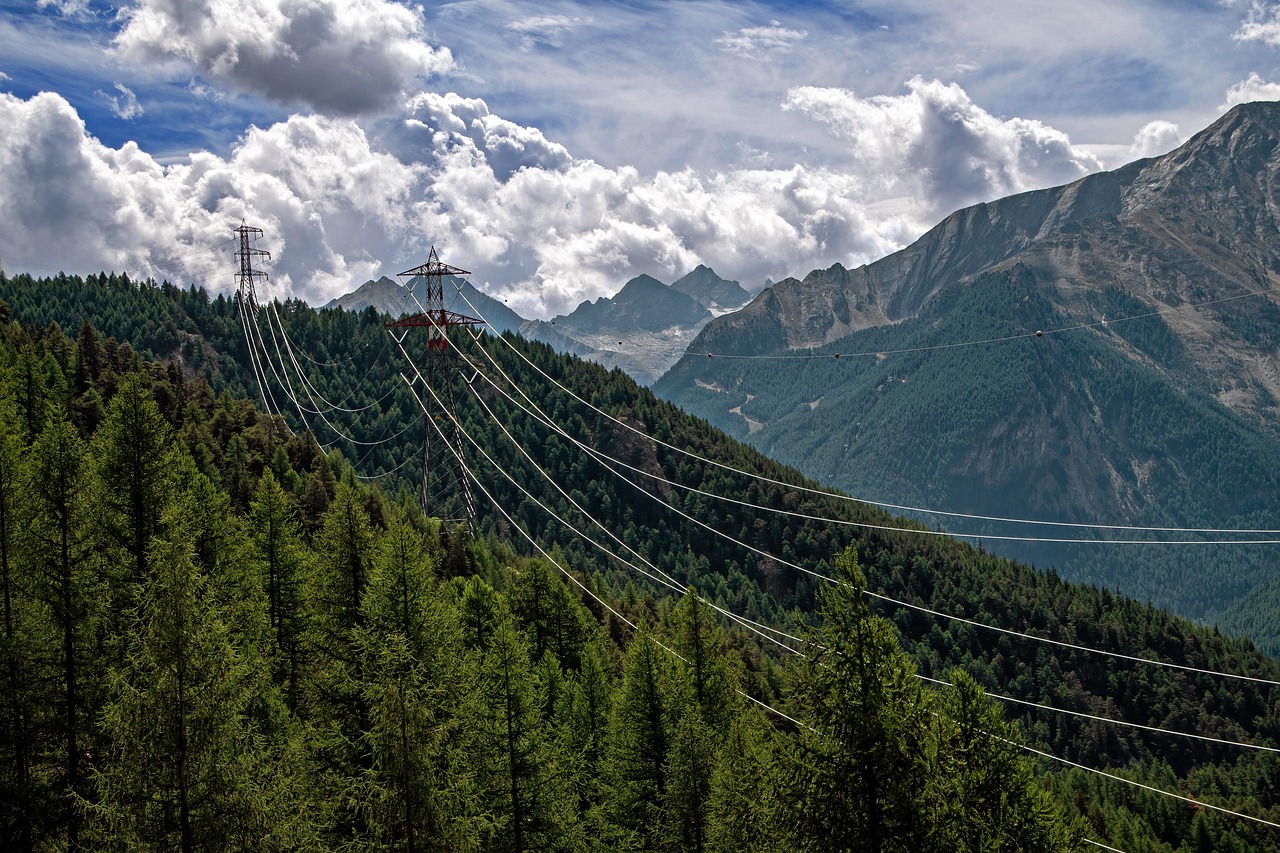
x: 217, y: 636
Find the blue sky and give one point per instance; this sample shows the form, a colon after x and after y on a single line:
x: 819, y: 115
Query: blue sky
x: 559, y: 148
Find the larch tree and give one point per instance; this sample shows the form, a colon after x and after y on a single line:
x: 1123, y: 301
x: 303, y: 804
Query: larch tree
x: 56, y: 548
x: 418, y: 791
x: 281, y: 563
x: 132, y: 466
x: 202, y: 757
x: 640, y: 736
x: 18, y: 647
x: 860, y: 770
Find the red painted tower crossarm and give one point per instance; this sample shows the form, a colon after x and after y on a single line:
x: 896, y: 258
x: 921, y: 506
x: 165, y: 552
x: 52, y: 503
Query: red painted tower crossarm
x: 434, y: 315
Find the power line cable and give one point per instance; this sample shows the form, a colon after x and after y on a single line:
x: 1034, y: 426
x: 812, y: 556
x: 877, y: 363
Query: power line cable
x: 885, y: 598
x: 848, y: 499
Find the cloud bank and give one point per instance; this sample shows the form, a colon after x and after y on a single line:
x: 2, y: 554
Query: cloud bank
x: 343, y: 199
x: 936, y: 145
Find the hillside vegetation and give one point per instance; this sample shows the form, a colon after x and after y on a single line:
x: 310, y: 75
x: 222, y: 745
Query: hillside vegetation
x: 217, y: 451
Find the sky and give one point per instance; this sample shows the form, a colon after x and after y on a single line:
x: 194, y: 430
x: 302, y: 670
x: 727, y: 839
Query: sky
x: 559, y: 148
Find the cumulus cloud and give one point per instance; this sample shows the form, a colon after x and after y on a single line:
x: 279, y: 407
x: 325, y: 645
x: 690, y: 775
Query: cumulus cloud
x: 1252, y: 88
x: 1261, y: 24
x: 342, y: 200
x: 343, y: 57
x: 124, y: 105
x: 934, y: 143
x: 761, y: 42
x: 1156, y: 137
x: 333, y: 206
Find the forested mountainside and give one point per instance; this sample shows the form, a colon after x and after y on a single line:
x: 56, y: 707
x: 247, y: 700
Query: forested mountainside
x: 1148, y: 399
x: 225, y: 446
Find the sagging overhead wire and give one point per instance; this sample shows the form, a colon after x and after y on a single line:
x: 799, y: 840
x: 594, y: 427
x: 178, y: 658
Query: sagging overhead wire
x: 1038, y: 333
x: 610, y: 461
x: 652, y: 572
x: 837, y: 496
x: 467, y: 470
x: 1062, y: 711
x: 680, y: 591
x: 533, y: 541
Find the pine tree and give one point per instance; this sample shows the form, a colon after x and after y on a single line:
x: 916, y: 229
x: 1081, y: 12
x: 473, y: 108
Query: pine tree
x: 281, y: 561
x: 201, y: 752
x: 741, y: 811
x: 689, y: 770
x: 985, y: 794
x: 697, y: 638
x: 415, y: 666
x: 18, y: 650
x: 640, y: 735
x: 859, y: 773
x: 132, y: 464
x: 336, y: 704
x: 520, y: 763
x: 56, y: 547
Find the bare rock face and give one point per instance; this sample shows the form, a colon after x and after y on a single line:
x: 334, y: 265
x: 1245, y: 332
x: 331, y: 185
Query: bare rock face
x: 1198, y: 224
x: 1161, y: 407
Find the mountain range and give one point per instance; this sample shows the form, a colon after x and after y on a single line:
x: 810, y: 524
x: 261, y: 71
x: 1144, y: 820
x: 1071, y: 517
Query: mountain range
x: 643, y: 329
x: 1104, y: 352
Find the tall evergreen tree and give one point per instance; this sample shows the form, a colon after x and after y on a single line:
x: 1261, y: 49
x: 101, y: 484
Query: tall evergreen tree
x: 741, y: 809
x: 56, y: 546
x: 985, y: 796
x: 704, y: 667
x: 132, y: 463
x: 860, y: 771
x: 18, y: 647
x: 193, y: 766
x: 418, y: 789
x: 640, y: 735
x: 281, y: 561
x: 520, y: 764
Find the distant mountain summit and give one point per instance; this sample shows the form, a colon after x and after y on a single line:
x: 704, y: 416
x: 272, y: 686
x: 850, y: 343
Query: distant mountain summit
x: 644, y: 304
x: 717, y: 295
x: 395, y: 299
x: 1152, y: 398
x: 1202, y: 215
x: 642, y: 329
x: 646, y: 326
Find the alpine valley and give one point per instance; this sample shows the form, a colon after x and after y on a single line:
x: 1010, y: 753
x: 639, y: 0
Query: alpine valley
x: 236, y: 626
x: 1102, y: 353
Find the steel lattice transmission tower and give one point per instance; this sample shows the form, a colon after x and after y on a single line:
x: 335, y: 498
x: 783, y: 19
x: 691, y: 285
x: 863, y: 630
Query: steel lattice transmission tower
x: 247, y: 298
x: 444, y: 484
x: 245, y: 255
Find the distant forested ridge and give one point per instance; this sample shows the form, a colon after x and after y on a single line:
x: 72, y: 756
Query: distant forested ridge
x: 1102, y: 353
x: 330, y: 633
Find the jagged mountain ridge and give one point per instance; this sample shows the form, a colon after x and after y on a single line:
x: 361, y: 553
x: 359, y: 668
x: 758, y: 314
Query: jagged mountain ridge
x: 390, y: 297
x: 1170, y: 419
x: 642, y: 329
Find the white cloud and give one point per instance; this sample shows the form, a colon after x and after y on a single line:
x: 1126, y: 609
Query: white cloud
x: 125, y: 105
x: 761, y: 42
x: 4, y: 77
x: 1155, y: 138
x: 66, y: 8
x: 1262, y: 24
x: 341, y: 57
x: 333, y: 207
x: 341, y: 203
x: 935, y: 144
x: 1252, y: 88
x: 546, y: 30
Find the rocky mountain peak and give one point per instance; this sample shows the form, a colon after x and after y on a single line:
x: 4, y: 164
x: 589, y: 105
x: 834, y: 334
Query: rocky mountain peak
x: 714, y: 293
